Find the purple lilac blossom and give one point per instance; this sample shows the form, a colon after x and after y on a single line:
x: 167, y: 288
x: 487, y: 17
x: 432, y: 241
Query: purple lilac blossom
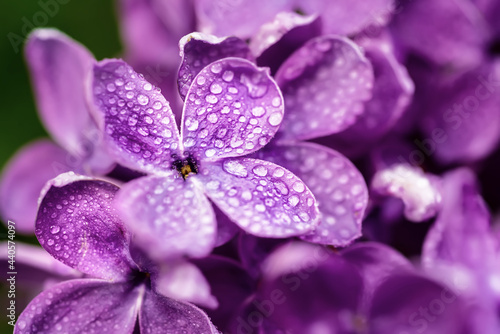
x: 58, y: 67
x: 78, y: 225
x: 232, y: 109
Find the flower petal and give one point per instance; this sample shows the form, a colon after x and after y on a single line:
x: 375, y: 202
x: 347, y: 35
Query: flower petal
x: 324, y: 85
x: 453, y: 32
x: 237, y: 18
x: 24, y: 177
x: 161, y: 315
x: 77, y: 225
x: 346, y: 17
x: 137, y: 121
x: 277, y: 40
x: 392, y: 92
x: 260, y: 197
x: 81, y: 306
x: 233, y: 108
x: 59, y: 68
x: 420, y: 192
x: 151, y: 29
x: 183, y: 281
x: 198, y: 50
x: 169, y: 217
x: 461, y: 233
x: 336, y: 183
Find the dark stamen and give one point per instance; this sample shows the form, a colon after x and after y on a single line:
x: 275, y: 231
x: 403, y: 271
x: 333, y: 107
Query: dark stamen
x: 186, y: 167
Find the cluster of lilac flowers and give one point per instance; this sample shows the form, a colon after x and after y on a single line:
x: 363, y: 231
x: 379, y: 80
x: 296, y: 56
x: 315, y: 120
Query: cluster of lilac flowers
x: 292, y: 166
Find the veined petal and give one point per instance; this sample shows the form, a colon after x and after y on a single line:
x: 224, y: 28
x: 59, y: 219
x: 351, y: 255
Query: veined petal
x: 77, y: 225
x: 324, y: 84
x: 336, y: 183
x: 262, y: 198
x: 59, y: 68
x: 160, y: 315
x: 239, y: 18
x: 168, y: 216
x: 420, y: 192
x: 24, y: 177
x: 278, y: 39
x: 136, y: 120
x: 82, y: 306
x: 183, y: 281
x: 232, y: 108
x: 198, y: 50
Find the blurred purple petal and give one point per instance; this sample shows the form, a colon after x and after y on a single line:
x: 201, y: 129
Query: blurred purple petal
x: 226, y: 229
x: 24, y: 177
x: 253, y: 251
x: 151, y: 29
x: 168, y: 216
x: 453, y: 32
x: 77, y: 225
x: 336, y: 183
x: 183, y: 281
x: 420, y: 192
x: 239, y: 18
x: 59, y: 68
x: 233, y: 108
x: 81, y: 306
x: 137, y: 121
x: 324, y: 84
x: 462, y: 122
x: 347, y: 17
x: 260, y: 197
x: 160, y: 315
x: 277, y: 40
x: 198, y: 50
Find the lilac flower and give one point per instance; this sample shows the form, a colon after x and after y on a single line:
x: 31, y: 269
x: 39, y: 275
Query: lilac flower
x: 232, y: 109
x: 58, y: 68
x: 462, y: 251
x: 366, y: 288
x: 78, y: 226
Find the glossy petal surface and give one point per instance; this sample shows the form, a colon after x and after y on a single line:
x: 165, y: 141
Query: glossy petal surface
x: 161, y: 315
x: 106, y: 307
x: 137, y: 121
x: 59, y: 67
x: 420, y: 192
x: 262, y: 198
x: 233, y: 108
x: 453, y: 32
x: 324, y: 85
x: 198, y: 50
x: 168, y: 216
x: 183, y: 281
x: 77, y: 225
x: 24, y: 177
x: 337, y: 185
x: 238, y: 18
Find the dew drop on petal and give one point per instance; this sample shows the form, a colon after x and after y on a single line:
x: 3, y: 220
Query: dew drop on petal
x: 216, y: 88
x: 228, y: 76
x: 258, y: 111
x: 143, y: 99
x: 260, y: 170
x: 235, y: 168
x: 210, y: 152
x: 275, y: 119
x: 55, y: 229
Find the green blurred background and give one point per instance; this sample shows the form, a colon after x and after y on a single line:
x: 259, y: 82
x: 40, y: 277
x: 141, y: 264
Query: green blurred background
x: 91, y: 22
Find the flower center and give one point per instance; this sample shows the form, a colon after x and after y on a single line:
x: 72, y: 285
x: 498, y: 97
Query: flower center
x: 186, y: 167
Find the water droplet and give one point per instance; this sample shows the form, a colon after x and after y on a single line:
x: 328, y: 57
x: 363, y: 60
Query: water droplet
x: 298, y: 187
x: 216, y: 68
x: 129, y: 95
x: 275, y: 119
x: 147, y: 86
x: 260, y: 208
x: 213, y: 118
x: 276, y: 102
x: 192, y: 124
x: 216, y: 88
x: 293, y: 200
x: 142, y: 99
x: 211, y: 99
x: 210, y: 152
x: 110, y: 87
x: 281, y: 187
x: 200, y: 80
x: 235, y: 168
x: 21, y: 324
x: 148, y: 120
x: 143, y: 131
x: 278, y: 172
x: 132, y: 121
x: 260, y: 170
x: 157, y: 105
x: 258, y: 111
x: 130, y: 85
x: 228, y: 76
x: 50, y: 242
x: 55, y: 229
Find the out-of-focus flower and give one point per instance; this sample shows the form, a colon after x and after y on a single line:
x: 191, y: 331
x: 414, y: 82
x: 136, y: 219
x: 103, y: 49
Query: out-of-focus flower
x: 59, y: 67
x: 232, y: 108
x: 78, y: 226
